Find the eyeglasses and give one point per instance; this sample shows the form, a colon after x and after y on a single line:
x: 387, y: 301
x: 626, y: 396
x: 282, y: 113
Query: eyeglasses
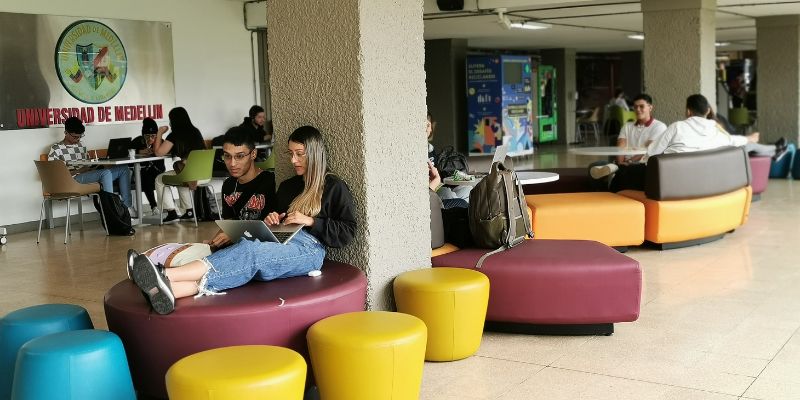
x: 298, y: 154
x: 237, y: 157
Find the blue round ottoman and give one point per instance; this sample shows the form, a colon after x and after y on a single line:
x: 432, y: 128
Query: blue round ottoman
x: 18, y: 327
x: 86, y: 365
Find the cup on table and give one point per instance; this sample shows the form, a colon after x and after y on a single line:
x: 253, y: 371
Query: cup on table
x: 131, y: 153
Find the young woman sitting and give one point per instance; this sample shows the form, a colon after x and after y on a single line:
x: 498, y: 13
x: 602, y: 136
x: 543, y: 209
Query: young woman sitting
x: 319, y: 200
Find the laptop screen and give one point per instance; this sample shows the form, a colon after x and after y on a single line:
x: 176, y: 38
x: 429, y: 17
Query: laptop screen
x: 118, y: 148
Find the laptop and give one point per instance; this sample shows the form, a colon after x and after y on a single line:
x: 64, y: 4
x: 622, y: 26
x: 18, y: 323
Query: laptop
x: 258, y: 230
x: 499, y: 156
x: 118, y: 148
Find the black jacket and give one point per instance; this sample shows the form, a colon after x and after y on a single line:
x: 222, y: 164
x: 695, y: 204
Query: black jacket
x: 257, y: 133
x: 335, y: 225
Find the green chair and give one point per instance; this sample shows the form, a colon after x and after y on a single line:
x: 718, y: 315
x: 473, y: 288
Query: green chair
x: 739, y: 117
x: 629, y: 116
x: 268, y: 164
x: 198, y: 168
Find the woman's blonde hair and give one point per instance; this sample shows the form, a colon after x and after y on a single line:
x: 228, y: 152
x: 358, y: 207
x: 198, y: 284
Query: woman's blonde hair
x: 309, y: 202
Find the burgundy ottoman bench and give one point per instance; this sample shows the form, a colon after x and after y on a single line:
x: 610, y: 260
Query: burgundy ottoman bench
x: 272, y: 313
x: 556, y: 286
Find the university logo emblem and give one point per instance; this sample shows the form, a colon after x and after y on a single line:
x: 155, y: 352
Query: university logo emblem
x: 91, y: 62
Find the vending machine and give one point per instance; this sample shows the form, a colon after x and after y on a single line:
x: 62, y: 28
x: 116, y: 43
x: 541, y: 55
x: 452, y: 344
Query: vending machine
x: 548, y: 104
x: 500, y: 104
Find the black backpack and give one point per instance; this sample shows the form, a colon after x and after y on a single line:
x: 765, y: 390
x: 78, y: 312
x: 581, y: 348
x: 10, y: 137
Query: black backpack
x: 498, y: 213
x: 449, y: 161
x: 116, y: 214
x: 204, y: 205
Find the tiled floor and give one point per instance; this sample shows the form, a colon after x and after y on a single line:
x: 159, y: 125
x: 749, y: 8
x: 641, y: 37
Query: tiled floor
x: 718, y: 321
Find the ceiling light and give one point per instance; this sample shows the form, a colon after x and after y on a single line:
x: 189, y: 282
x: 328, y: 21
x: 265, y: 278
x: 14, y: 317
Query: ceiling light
x: 529, y: 25
x: 721, y: 44
x: 636, y: 36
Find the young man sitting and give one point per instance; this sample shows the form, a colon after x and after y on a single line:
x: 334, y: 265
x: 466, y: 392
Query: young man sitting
x: 696, y: 133
x: 637, y: 135
x: 71, y: 149
x: 248, y: 194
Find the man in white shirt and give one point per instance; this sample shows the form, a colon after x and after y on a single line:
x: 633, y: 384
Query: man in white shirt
x: 619, y: 100
x: 695, y: 133
x: 636, y: 134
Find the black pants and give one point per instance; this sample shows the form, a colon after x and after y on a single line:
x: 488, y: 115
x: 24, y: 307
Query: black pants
x: 149, y: 184
x: 629, y: 177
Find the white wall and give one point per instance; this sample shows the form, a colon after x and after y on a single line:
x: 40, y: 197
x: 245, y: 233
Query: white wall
x: 213, y: 81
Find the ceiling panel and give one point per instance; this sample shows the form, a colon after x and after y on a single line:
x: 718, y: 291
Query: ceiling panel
x: 596, y: 25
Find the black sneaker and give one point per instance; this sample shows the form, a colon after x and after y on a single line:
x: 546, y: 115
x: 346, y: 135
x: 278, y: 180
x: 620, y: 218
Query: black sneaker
x: 780, y: 149
x: 189, y: 214
x: 154, y: 285
x: 132, y: 254
x: 171, y: 216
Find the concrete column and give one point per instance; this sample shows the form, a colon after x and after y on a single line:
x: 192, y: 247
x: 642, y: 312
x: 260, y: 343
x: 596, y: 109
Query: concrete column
x: 679, y: 53
x: 445, y: 79
x: 564, y: 62
x: 778, y: 74
x: 354, y: 69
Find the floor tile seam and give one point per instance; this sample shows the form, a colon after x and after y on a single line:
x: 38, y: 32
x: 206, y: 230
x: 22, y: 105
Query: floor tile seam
x: 770, y: 361
x: 51, y: 294
x: 514, y: 361
x: 650, y: 382
x: 500, y: 396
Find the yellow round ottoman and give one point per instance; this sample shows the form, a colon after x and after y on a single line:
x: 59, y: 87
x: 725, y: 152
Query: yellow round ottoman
x: 452, y: 302
x: 368, y: 355
x: 238, y: 373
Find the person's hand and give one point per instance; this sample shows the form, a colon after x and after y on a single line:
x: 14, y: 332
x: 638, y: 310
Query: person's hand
x: 219, y: 240
x: 296, y: 217
x: 192, y: 185
x: 753, y: 137
x: 434, y: 180
x: 273, y: 218
x: 162, y: 130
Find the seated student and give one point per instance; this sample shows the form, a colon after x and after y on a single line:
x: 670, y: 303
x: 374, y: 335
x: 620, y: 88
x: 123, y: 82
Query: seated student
x: 249, y: 192
x: 314, y: 197
x: 184, y: 138
x: 635, y: 134
x: 444, y: 192
x: 254, y: 124
x: 144, y: 146
x: 695, y: 133
x: 71, y: 149
x: 776, y: 151
x: 619, y: 100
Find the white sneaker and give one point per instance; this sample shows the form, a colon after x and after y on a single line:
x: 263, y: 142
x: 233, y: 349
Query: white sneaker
x: 155, y: 211
x: 602, y: 171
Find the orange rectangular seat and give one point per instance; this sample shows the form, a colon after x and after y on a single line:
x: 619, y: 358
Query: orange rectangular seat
x: 607, y: 218
x: 669, y: 221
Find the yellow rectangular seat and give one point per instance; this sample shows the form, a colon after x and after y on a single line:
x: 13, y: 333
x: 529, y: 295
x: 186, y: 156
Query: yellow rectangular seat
x: 607, y: 218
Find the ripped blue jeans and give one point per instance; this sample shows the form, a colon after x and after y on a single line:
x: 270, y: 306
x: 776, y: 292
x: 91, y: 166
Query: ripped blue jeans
x: 246, y: 260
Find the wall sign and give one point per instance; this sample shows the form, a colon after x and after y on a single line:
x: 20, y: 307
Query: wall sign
x: 101, y: 70
x: 91, y: 61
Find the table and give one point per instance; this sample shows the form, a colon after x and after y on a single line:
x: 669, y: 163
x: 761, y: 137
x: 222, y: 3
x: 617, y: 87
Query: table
x: 608, y: 151
x: 137, y: 173
x: 525, y: 178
